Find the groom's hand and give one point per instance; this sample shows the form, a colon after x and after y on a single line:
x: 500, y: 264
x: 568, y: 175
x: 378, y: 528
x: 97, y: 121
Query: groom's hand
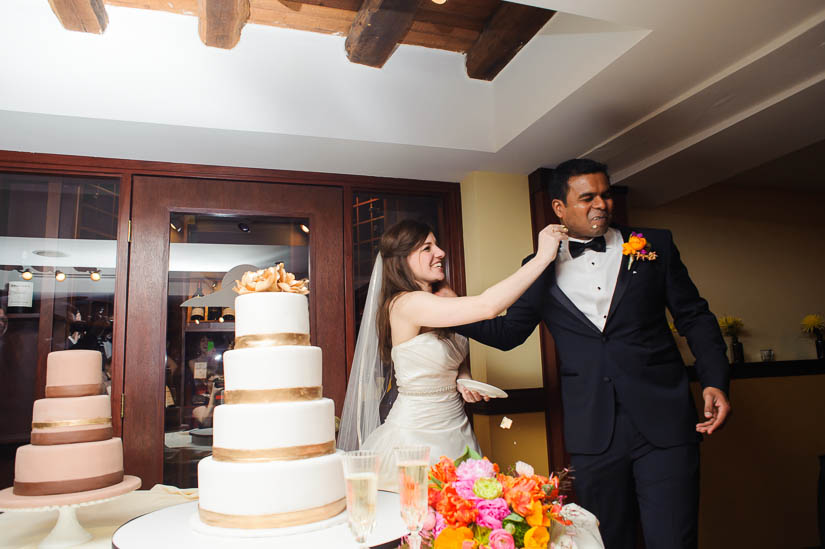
x: 717, y: 409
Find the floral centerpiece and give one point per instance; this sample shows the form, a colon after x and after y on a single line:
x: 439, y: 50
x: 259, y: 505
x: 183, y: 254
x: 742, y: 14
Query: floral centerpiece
x: 472, y: 505
x: 733, y: 327
x: 814, y: 326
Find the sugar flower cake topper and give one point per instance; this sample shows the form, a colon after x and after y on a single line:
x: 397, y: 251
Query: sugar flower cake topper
x: 271, y: 279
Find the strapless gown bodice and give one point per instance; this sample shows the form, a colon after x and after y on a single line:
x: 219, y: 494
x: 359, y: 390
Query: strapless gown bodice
x: 429, y: 409
x: 427, y: 364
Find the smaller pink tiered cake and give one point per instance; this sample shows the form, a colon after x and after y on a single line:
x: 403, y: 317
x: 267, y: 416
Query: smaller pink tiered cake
x: 72, y: 449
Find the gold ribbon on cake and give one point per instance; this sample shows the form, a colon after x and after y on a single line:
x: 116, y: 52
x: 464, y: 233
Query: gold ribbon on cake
x: 257, y: 396
x: 276, y: 520
x: 271, y: 340
x: 72, y: 422
x: 58, y: 391
x: 53, y: 487
x: 274, y: 454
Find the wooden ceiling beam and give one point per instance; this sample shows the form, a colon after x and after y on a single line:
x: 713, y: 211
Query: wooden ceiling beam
x: 508, y: 29
x: 377, y: 28
x: 81, y: 15
x: 220, y: 22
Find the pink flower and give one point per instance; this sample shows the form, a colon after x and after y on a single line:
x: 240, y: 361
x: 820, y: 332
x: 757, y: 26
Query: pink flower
x: 429, y: 520
x: 440, y: 524
x: 474, y: 469
x: 501, y: 539
x: 464, y: 488
x: 491, y: 512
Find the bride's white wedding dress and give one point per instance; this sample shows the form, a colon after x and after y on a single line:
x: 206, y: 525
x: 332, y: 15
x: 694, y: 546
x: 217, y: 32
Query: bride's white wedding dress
x: 429, y: 410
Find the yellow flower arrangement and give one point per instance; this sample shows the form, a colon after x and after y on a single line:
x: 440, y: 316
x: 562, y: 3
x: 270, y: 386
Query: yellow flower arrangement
x: 731, y: 325
x: 813, y: 325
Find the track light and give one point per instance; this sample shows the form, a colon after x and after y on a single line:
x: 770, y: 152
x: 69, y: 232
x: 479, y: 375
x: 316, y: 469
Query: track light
x: 304, y: 228
x: 95, y: 275
x: 26, y: 275
x: 60, y: 276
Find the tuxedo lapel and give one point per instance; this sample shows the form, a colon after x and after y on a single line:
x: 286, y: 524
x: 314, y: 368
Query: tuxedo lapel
x: 623, y: 280
x: 565, y: 302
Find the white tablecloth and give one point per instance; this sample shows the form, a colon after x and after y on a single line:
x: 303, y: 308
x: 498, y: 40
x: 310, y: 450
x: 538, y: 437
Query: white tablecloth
x: 24, y: 529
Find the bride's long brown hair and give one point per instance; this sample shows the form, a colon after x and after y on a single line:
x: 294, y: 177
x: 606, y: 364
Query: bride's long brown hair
x: 397, y: 243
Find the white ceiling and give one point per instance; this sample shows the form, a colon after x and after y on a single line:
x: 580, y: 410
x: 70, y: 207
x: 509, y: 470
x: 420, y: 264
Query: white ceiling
x: 673, y: 95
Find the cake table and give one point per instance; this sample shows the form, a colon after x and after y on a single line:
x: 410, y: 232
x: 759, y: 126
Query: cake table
x: 171, y: 527
x: 67, y: 532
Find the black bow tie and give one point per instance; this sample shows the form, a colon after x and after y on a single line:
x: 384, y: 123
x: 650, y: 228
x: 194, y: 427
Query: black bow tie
x: 598, y: 244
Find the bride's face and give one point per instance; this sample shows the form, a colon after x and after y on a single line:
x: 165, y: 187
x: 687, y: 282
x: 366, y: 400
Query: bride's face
x: 426, y: 263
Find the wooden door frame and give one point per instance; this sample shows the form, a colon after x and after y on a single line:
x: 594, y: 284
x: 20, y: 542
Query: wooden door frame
x: 153, y: 200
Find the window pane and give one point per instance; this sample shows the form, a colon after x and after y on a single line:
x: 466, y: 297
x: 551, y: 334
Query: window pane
x: 372, y: 213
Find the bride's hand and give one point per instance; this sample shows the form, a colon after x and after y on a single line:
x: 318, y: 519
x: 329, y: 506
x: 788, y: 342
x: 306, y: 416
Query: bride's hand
x: 548, y: 242
x: 469, y: 395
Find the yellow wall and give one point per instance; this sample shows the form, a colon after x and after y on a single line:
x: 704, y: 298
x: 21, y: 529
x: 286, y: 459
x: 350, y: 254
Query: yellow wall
x: 757, y: 254
x: 497, y: 236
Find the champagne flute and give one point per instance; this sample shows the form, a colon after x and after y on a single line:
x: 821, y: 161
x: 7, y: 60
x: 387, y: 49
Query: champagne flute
x: 361, y: 476
x: 413, y: 471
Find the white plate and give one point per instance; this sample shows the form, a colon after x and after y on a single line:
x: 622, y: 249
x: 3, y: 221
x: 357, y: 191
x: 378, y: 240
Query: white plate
x: 482, y: 388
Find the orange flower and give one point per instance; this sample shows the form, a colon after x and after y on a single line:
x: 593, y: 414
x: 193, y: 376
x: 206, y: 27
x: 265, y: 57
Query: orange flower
x: 627, y: 249
x: 521, y: 492
x: 537, y: 517
x: 443, y: 471
x: 453, y: 538
x: 555, y: 512
x: 456, y: 510
x: 536, y: 538
x: 434, y: 495
x: 636, y: 242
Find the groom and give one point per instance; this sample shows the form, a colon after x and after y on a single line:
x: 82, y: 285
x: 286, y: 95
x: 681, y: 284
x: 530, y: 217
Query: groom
x: 630, y: 424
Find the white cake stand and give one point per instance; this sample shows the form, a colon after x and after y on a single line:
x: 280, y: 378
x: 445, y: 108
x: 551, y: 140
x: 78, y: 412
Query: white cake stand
x: 67, y: 532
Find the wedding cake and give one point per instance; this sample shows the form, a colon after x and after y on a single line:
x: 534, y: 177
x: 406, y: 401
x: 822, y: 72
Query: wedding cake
x: 274, y: 463
x: 72, y: 449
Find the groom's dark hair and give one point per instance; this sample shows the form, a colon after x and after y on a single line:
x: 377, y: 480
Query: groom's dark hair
x: 557, y: 186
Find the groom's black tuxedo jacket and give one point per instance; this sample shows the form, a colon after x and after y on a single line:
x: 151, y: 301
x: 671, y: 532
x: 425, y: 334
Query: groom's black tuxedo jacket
x: 634, y: 360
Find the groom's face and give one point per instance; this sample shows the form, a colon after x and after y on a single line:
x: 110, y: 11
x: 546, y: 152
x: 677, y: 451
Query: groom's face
x: 589, y: 206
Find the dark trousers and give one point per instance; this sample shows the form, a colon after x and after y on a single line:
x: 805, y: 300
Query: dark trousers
x: 633, y: 480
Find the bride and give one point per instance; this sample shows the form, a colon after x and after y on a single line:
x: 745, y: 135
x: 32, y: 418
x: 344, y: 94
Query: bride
x: 405, y: 324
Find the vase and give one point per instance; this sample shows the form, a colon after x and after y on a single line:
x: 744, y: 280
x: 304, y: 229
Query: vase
x: 820, y: 347
x: 737, y: 352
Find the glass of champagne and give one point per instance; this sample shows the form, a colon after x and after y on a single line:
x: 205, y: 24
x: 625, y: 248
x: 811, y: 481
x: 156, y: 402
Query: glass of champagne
x: 361, y: 476
x: 413, y: 469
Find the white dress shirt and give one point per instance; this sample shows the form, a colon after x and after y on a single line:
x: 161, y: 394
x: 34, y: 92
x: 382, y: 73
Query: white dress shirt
x: 589, y: 280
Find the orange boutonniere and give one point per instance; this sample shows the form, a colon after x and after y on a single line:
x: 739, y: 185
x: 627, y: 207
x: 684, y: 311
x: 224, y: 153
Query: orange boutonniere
x: 637, y: 247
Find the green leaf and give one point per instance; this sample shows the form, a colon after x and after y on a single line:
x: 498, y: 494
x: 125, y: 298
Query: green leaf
x: 468, y: 453
x: 481, y: 534
x: 513, y: 517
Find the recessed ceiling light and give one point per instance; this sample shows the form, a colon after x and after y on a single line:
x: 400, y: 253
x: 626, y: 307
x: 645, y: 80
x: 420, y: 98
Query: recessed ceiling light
x: 244, y: 227
x: 49, y: 253
x: 60, y: 276
x: 27, y: 275
x: 304, y: 228
x: 94, y: 275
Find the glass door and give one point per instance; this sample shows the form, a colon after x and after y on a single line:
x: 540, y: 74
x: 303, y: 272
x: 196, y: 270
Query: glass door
x: 191, y: 240
x: 58, y: 266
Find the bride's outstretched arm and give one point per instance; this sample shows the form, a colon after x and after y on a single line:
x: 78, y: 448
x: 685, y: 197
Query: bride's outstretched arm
x: 426, y: 309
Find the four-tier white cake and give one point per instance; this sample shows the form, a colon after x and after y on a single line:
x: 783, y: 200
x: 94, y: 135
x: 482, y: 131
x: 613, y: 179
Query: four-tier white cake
x: 274, y: 463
